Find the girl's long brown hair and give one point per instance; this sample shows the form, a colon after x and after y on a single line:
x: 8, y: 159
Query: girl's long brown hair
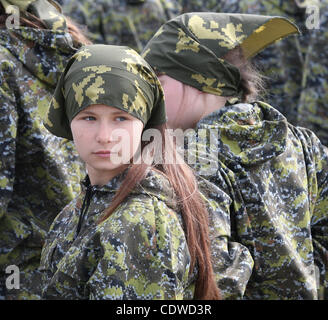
x: 27, y: 19
x: 193, y: 209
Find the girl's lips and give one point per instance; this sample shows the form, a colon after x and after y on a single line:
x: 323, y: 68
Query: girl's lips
x: 102, y: 154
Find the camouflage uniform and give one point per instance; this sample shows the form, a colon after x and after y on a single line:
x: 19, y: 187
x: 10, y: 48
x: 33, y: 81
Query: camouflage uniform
x: 298, y: 66
x: 117, y: 259
x: 39, y: 173
x: 139, y: 252
x: 275, y: 174
x: 121, y: 22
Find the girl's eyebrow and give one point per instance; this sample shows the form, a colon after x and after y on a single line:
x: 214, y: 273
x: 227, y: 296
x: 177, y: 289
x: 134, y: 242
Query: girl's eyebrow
x: 116, y: 112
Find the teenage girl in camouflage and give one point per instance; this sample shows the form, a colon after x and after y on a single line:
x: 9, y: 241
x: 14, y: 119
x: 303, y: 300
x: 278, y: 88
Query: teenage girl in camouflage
x: 137, y: 230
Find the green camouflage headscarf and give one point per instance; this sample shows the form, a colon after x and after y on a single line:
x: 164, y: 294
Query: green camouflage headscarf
x: 116, y: 76
x: 48, y: 11
x: 190, y: 48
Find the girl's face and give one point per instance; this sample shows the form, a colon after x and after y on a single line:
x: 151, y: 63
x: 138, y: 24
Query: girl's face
x: 106, y: 139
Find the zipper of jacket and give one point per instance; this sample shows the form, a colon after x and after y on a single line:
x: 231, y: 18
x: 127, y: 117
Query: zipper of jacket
x: 85, y: 206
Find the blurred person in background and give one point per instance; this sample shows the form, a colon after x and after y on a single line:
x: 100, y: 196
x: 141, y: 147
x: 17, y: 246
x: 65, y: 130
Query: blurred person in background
x: 39, y: 173
x: 121, y: 22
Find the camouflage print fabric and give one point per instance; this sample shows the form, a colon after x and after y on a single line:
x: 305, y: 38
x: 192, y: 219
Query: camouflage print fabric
x: 91, y: 77
x: 298, y: 66
x: 276, y: 176
x: 47, y: 11
x: 207, y: 37
x: 39, y: 173
x: 139, y: 252
x: 21, y: 4
x: 199, y: 5
x: 121, y: 22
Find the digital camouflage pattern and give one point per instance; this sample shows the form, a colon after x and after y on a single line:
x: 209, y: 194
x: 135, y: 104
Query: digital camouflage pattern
x: 276, y: 176
x: 121, y: 22
x: 208, y: 37
x: 111, y: 75
x: 298, y: 66
x: 39, y: 173
x: 139, y: 252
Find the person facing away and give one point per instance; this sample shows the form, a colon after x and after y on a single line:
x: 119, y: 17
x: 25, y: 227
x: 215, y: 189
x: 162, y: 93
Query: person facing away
x: 139, y: 228
x: 276, y: 174
x: 36, y: 178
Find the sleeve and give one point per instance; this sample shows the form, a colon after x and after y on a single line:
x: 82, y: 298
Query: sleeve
x: 318, y: 182
x: 139, y: 252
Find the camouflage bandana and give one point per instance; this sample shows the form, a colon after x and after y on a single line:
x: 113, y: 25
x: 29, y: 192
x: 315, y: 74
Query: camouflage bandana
x: 190, y: 48
x: 105, y: 74
x: 48, y: 11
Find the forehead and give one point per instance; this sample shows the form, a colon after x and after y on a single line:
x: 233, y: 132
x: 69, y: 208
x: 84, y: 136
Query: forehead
x: 103, y: 109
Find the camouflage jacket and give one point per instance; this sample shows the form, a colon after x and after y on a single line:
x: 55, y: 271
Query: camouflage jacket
x: 276, y: 176
x: 140, y: 252
x: 39, y: 173
x: 296, y: 67
x: 121, y: 22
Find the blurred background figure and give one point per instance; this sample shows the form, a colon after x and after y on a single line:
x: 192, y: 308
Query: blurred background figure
x: 121, y: 22
x: 39, y: 173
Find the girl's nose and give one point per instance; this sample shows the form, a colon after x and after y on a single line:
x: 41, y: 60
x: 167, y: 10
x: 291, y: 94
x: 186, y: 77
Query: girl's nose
x: 104, y: 134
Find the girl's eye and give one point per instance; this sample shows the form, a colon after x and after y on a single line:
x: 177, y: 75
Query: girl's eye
x: 89, y: 118
x: 120, y: 118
